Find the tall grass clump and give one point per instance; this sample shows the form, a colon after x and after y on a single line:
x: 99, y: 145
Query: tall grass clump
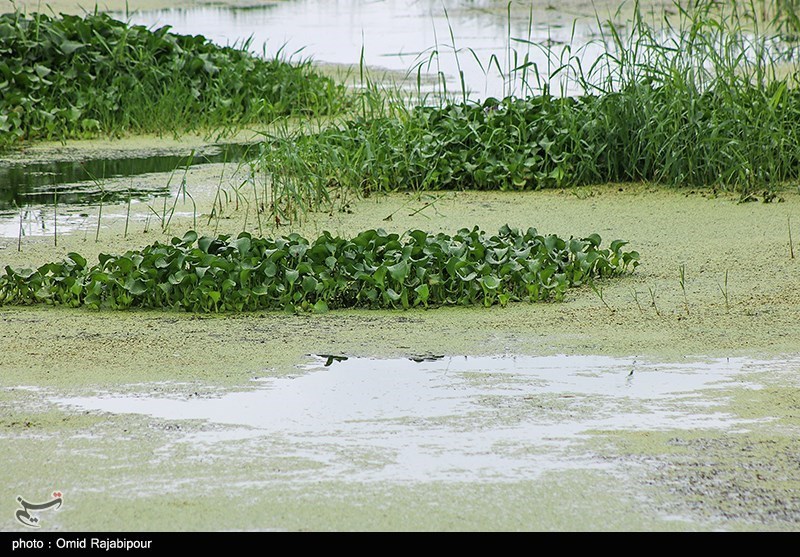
x: 783, y: 15
x: 711, y: 100
x: 704, y: 99
x: 71, y: 77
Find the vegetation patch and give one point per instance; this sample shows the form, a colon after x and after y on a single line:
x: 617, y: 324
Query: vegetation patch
x: 641, y: 133
x: 707, y: 102
x: 373, y: 270
x: 74, y: 77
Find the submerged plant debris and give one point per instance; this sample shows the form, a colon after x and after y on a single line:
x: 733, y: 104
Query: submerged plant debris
x: 373, y: 270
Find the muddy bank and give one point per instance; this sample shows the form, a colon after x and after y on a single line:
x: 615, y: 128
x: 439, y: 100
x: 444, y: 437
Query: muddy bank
x: 746, y: 478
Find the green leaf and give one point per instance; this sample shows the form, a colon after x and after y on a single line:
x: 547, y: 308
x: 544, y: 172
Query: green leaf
x: 466, y: 277
x: 270, y: 269
x: 490, y: 282
x: 298, y: 250
x: 309, y: 284
x: 136, y: 287
x: 380, y: 275
x: 42, y: 71
x: 177, y: 278
x: 422, y: 293
x: 399, y: 271
x: 124, y: 264
x: 292, y: 275
x: 616, y: 245
x: 78, y: 259
x: 394, y: 296
x: 204, y: 243
x: 594, y: 239
x: 243, y: 245
x: 68, y: 47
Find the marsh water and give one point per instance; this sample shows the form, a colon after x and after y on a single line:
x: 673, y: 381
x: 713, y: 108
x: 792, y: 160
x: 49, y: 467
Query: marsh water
x: 441, y: 418
x: 31, y: 193
x: 42, y: 182
x: 476, y: 39
x: 209, y: 423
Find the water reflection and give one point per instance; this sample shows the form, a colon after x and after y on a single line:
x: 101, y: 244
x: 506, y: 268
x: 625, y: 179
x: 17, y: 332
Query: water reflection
x: 398, y: 35
x: 441, y: 418
x: 80, y: 182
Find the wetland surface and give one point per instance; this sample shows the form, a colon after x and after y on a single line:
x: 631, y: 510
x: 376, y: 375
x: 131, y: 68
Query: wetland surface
x: 651, y: 409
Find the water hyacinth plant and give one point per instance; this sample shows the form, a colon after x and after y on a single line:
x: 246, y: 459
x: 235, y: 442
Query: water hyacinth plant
x: 72, y: 77
x: 375, y: 269
x: 705, y: 99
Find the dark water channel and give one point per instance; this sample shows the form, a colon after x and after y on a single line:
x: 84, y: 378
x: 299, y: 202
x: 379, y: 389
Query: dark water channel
x: 81, y: 182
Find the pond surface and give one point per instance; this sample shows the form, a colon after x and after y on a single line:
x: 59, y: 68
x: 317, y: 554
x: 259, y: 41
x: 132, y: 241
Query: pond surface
x: 475, y: 37
x: 36, y: 198
x: 439, y: 418
x: 80, y: 182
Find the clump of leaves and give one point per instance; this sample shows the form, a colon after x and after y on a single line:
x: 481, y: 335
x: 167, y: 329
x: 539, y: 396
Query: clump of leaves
x: 375, y: 269
x: 71, y: 77
x: 513, y: 144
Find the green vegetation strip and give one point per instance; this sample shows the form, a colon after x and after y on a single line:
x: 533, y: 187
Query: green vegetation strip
x: 73, y: 77
x: 373, y: 270
x: 748, y: 138
x: 708, y: 102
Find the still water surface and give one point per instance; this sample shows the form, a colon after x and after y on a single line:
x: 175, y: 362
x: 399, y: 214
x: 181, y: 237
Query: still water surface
x: 475, y: 38
x: 443, y: 418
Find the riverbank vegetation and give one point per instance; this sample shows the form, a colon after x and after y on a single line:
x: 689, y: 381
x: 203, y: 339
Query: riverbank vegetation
x: 705, y: 99
x: 75, y: 77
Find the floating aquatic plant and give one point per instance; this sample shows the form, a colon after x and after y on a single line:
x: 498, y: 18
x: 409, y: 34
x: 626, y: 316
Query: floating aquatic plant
x: 375, y: 269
